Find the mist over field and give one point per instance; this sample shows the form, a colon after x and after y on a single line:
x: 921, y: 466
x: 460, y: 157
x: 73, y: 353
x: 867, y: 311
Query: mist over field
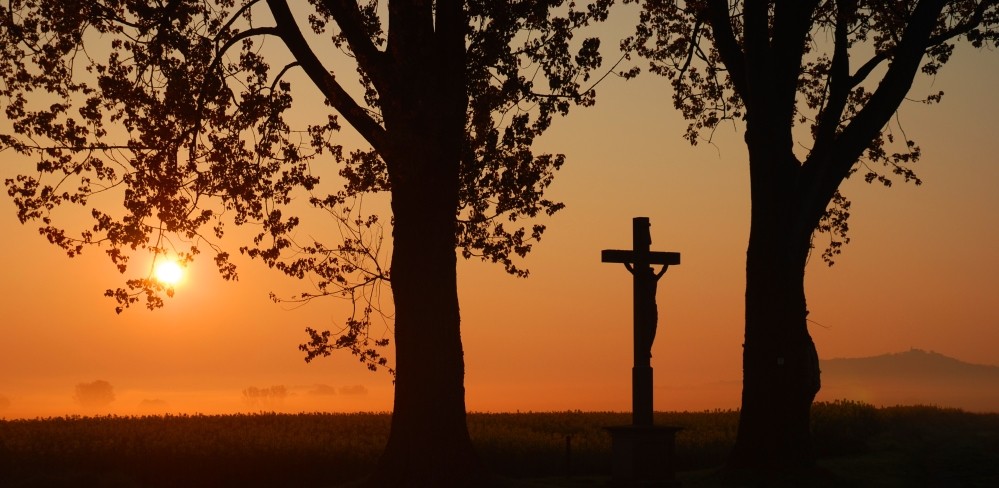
x: 914, y: 377
x: 130, y: 400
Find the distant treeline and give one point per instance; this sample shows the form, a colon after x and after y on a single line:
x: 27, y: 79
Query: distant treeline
x: 324, y: 449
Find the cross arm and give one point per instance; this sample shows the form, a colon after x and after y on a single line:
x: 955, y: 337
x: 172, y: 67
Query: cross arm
x: 628, y: 257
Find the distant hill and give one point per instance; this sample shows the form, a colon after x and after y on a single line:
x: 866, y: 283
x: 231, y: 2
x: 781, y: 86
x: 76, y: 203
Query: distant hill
x: 912, y: 377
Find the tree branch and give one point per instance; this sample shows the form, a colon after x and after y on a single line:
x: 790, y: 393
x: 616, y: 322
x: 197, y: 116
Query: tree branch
x: 865, y: 126
x: 728, y: 46
x: 321, y: 77
x: 235, y: 16
x: 239, y: 37
x: 756, y: 35
x: 974, y: 21
x: 348, y: 16
x: 894, y: 86
x: 840, y: 83
x: 792, y: 22
x: 865, y: 70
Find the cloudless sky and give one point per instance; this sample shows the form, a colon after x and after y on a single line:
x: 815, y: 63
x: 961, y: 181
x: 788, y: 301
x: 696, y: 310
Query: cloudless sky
x: 921, y: 272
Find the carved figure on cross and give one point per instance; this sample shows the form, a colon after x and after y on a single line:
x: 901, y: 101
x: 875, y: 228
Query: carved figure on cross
x: 647, y: 312
x: 639, y: 261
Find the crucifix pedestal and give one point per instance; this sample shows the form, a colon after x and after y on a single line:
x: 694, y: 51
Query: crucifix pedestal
x: 643, y: 456
x: 643, y: 452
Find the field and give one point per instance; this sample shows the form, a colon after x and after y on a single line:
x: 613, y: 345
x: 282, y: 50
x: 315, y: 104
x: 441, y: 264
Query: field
x: 859, y: 445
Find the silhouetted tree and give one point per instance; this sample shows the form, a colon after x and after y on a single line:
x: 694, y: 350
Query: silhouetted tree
x: 95, y: 394
x: 184, y: 109
x: 816, y: 82
x: 272, y: 397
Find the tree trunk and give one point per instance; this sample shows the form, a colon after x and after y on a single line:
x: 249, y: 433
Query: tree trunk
x: 429, y: 443
x: 780, y: 363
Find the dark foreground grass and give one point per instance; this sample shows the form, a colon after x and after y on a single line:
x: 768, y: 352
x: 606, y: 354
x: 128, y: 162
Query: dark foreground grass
x: 859, y: 445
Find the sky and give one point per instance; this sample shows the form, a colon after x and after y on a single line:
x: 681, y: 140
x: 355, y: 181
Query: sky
x: 921, y: 272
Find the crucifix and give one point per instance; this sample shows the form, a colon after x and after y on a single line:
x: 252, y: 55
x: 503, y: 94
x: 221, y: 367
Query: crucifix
x: 639, y: 261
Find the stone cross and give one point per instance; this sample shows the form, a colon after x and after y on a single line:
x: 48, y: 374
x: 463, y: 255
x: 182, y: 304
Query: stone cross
x: 639, y: 261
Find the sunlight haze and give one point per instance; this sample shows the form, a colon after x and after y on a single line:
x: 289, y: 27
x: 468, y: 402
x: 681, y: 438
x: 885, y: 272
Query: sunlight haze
x: 921, y: 271
x: 169, y: 272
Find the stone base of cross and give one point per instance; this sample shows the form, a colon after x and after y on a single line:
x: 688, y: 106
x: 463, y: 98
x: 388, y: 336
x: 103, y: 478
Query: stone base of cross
x: 643, y: 455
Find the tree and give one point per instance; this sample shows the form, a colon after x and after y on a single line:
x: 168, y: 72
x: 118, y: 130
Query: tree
x: 816, y: 83
x: 272, y: 397
x: 184, y: 110
x: 96, y: 394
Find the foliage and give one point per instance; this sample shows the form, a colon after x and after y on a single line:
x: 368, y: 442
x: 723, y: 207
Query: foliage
x: 184, y: 113
x: 911, y: 444
x: 832, y: 95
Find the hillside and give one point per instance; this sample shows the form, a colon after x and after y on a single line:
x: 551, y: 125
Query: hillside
x: 912, y: 377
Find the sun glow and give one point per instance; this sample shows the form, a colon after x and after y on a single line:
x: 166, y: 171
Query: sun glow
x: 169, y: 272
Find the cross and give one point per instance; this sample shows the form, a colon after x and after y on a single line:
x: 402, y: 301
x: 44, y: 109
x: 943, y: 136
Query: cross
x: 639, y: 261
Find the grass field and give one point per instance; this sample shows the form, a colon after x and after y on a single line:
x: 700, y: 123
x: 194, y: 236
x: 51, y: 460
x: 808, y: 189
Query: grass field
x: 859, y: 445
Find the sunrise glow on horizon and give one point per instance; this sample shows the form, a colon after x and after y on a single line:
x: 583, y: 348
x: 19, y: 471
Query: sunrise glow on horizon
x: 920, y: 272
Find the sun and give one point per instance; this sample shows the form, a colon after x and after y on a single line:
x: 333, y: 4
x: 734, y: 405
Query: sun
x: 169, y: 272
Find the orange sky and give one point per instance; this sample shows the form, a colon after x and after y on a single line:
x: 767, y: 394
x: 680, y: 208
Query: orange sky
x: 921, y: 272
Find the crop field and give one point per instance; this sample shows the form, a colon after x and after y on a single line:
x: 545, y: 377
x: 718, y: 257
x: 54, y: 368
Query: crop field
x: 858, y: 444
